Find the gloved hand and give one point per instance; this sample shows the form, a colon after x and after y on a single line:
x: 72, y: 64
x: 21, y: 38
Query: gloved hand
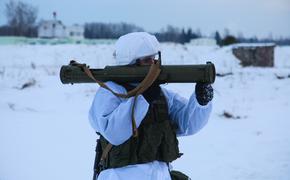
x: 204, y: 93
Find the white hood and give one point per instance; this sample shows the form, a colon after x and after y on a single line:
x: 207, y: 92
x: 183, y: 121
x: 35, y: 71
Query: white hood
x: 135, y: 45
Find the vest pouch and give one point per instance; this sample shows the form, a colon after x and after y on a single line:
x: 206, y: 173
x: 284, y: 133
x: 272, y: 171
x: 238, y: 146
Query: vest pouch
x: 152, y: 138
x: 177, y: 175
x: 124, y: 154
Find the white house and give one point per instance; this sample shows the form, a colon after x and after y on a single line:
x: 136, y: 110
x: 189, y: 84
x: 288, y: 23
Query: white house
x: 51, y: 29
x: 55, y: 29
x: 75, y: 31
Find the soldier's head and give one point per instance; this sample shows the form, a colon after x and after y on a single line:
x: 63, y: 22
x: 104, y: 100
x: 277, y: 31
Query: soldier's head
x: 138, y: 48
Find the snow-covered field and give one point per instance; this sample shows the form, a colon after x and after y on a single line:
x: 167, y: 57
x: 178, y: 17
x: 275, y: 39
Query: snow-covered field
x: 45, y: 133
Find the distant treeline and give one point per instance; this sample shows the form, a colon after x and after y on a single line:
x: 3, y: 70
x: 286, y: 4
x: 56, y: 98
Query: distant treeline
x: 7, y: 30
x: 21, y: 21
x: 170, y: 34
x: 115, y: 30
x: 108, y: 30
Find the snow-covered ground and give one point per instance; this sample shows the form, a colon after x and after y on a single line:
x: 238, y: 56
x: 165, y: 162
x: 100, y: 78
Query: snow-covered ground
x: 45, y: 133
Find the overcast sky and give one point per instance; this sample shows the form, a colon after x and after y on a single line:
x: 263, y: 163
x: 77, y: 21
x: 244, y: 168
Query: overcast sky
x: 249, y: 17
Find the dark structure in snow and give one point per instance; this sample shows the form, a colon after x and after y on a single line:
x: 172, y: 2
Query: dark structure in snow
x: 255, y: 54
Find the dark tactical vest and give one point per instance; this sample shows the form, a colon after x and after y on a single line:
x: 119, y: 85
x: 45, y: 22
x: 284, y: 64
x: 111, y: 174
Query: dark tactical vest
x: 156, y: 139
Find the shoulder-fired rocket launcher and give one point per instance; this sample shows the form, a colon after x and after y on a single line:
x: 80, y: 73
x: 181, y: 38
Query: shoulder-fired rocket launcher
x: 133, y: 74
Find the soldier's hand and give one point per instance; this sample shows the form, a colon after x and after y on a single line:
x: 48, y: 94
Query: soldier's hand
x: 204, y: 93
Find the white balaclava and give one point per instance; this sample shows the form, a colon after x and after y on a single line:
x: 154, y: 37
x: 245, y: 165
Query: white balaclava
x: 133, y: 46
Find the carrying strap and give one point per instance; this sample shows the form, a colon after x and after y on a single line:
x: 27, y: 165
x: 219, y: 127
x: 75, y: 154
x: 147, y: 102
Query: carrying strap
x: 105, y: 154
x: 151, y: 76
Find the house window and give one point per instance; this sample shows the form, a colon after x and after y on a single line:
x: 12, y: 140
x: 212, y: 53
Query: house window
x: 53, y: 25
x: 71, y: 33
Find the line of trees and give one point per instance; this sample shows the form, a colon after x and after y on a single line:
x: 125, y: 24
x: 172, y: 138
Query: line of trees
x: 109, y: 30
x: 174, y: 34
x: 231, y: 39
x: 115, y: 30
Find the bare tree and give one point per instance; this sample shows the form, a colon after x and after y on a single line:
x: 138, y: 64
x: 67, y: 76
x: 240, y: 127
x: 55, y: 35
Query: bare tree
x: 21, y: 17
